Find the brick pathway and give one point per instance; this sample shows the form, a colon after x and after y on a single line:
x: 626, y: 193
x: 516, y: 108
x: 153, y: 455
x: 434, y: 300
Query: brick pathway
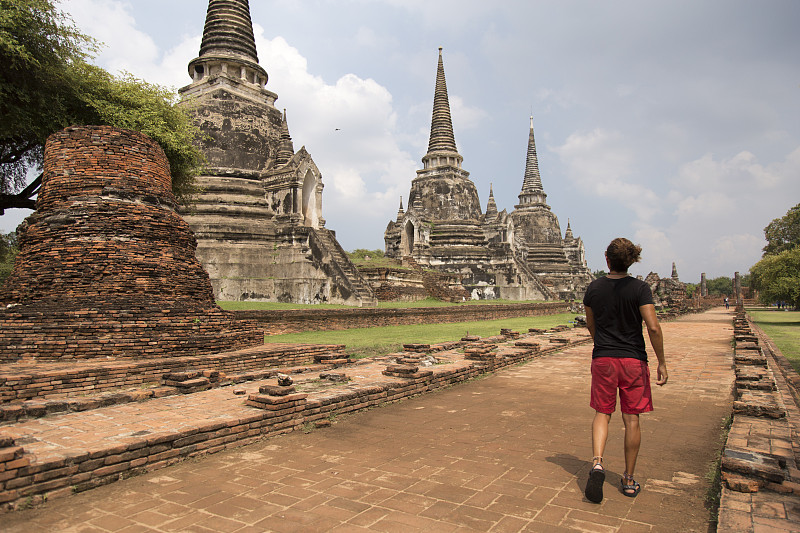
x: 505, y: 453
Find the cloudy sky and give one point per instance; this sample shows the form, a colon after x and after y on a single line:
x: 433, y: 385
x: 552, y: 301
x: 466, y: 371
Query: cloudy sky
x: 675, y: 123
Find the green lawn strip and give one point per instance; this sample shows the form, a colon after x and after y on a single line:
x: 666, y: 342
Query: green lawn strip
x: 782, y: 328
x: 364, y: 342
x: 428, y: 302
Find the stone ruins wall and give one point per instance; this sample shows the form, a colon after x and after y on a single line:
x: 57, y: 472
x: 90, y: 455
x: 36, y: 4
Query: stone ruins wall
x: 106, y: 266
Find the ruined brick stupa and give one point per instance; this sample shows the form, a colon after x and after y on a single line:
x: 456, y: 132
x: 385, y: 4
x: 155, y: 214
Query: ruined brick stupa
x: 518, y: 256
x: 106, y: 266
x: 258, y: 221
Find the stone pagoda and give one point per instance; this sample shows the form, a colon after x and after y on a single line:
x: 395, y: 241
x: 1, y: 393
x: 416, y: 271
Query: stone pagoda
x: 561, y: 263
x: 258, y: 218
x: 444, y: 228
x: 498, y: 255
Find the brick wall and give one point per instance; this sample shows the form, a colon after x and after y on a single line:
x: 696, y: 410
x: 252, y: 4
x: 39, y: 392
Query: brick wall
x: 21, y: 385
x: 106, y: 267
x: 25, y: 480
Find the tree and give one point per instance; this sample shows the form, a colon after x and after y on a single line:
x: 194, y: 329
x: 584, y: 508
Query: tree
x: 8, y: 251
x: 690, y: 288
x: 721, y: 286
x: 777, y: 277
x: 47, y: 84
x: 783, y: 233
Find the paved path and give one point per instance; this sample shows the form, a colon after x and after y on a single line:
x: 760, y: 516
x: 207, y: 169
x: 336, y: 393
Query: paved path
x: 509, y: 452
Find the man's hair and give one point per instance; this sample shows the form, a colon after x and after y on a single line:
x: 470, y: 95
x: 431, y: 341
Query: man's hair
x: 622, y: 253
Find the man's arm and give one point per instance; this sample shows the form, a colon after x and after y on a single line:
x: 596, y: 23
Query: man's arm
x: 656, y: 340
x: 590, y: 320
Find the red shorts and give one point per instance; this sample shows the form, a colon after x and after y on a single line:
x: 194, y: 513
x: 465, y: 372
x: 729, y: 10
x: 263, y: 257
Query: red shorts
x: 630, y: 376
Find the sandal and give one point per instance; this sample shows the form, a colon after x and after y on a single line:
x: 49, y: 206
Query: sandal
x: 594, y: 487
x: 630, y: 487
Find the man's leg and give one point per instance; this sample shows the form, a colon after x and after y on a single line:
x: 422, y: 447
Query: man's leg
x: 594, y: 486
x: 599, y: 433
x: 633, y: 439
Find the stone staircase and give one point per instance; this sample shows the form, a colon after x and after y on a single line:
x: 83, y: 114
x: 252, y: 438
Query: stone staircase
x: 530, y: 276
x: 345, y: 267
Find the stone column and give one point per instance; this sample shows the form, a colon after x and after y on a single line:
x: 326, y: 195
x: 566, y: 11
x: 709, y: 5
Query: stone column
x: 737, y: 291
x: 703, y: 286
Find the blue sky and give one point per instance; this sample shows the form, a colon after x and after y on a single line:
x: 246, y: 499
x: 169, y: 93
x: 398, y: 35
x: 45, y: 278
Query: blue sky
x: 674, y: 123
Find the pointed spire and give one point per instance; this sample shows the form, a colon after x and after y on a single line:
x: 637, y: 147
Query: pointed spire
x: 491, y: 206
x: 674, y: 271
x: 532, y: 190
x: 568, y: 235
x: 286, y: 149
x: 533, y: 181
x: 442, y: 138
x: 442, y: 141
x: 400, y: 212
x: 229, y: 30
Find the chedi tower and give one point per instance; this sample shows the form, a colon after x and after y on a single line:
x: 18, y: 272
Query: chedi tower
x: 106, y: 266
x: 258, y: 220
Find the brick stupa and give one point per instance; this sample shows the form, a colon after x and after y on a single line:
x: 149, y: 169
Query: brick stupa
x: 107, y: 268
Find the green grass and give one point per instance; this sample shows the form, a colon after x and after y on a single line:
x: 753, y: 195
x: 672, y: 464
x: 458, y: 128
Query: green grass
x: 364, y: 342
x: 782, y: 328
x: 378, y: 262
x: 428, y: 302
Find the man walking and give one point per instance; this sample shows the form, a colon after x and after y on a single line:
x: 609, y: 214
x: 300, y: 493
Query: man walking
x: 615, y: 305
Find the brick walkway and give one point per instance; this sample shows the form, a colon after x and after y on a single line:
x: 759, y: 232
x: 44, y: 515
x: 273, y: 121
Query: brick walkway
x: 505, y: 453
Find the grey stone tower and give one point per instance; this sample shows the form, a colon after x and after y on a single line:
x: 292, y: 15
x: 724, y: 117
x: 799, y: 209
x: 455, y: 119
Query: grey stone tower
x: 537, y: 235
x: 442, y: 186
x: 258, y: 220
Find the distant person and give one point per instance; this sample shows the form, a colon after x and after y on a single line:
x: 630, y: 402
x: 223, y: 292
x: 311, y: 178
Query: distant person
x: 616, y: 304
x: 726, y: 303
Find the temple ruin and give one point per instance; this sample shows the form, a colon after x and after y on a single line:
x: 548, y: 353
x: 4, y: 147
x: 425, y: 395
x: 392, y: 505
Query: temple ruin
x: 258, y: 218
x: 667, y: 292
x: 106, y: 267
x: 519, y: 256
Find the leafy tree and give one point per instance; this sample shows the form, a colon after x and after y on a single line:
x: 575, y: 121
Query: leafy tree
x: 777, y: 277
x: 599, y: 273
x: 361, y: 253
x: 783, y: 233
x: 690, y: 288
x: 721, y: 286
x: 8, y: 251
x: 47, y: 84
x: 38, y: 47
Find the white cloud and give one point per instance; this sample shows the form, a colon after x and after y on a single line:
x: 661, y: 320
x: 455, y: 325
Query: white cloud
x: 741, y: 170
x: 602, y: 165
x: 349, y: 127
x: 706, y: 205
x: 658, y: 252
x: 128, y: 49
x: 728, y: 251
x: 465, y: 116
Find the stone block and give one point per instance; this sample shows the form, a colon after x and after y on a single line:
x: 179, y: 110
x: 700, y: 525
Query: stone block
x: 754, y: 464
x: 741, y: 483
x: 276, y: 390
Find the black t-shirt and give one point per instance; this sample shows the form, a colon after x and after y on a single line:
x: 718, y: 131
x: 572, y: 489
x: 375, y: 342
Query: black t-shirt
x: 618, y: 322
